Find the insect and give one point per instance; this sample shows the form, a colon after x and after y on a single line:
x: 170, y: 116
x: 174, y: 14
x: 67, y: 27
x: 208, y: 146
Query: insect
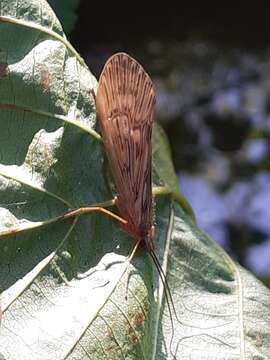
x: 125, y: 106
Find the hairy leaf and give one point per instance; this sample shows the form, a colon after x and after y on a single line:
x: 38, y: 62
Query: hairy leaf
x: 67, y: 291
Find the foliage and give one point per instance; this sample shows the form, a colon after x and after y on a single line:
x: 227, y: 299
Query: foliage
x: 67, y: 290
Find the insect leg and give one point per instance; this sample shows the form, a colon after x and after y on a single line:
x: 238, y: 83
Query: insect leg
x: 84, y: 210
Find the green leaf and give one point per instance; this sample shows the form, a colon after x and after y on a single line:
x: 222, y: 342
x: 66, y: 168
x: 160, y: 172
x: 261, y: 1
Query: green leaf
x: 223, y: 311
x: 163, y: 167
x: 67, y: 291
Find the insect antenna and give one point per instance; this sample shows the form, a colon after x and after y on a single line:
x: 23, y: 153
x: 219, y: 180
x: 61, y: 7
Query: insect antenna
x: 167, y: 291
x: 168, y: 295
x: 164, y: 281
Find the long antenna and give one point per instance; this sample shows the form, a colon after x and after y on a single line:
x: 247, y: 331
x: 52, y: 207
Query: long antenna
x: 164, y: 281
x: 167, y: 293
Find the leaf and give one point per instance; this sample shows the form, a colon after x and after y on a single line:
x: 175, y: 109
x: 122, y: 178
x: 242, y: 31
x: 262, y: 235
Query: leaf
x: 223, y: 311
x: 163, y: 167
x: 62, y: 284
x: 66, y: 290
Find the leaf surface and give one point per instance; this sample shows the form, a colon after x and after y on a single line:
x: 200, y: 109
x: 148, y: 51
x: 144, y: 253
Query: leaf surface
x: 67, y: 291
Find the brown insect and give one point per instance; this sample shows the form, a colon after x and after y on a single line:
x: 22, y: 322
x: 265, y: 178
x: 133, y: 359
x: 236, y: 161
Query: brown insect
x: 125, y: 106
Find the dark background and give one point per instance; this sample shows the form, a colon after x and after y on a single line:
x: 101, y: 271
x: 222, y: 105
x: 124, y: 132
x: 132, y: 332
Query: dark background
x: 243, y: 24
x: 211, y: 69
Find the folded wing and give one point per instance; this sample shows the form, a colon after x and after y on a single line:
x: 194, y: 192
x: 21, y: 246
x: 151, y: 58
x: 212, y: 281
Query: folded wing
x: 125, y: 105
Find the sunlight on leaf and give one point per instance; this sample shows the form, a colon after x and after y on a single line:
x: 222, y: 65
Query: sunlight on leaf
x: 67, y: 291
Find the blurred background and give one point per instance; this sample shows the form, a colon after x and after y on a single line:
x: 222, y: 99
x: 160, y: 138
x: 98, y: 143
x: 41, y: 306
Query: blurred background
x: 211, y: 69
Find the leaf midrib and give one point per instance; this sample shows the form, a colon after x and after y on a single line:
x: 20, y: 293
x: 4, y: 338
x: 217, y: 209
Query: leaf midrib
x: 37, y: 27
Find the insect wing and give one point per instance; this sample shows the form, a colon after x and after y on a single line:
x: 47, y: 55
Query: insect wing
x: 125, y: 105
